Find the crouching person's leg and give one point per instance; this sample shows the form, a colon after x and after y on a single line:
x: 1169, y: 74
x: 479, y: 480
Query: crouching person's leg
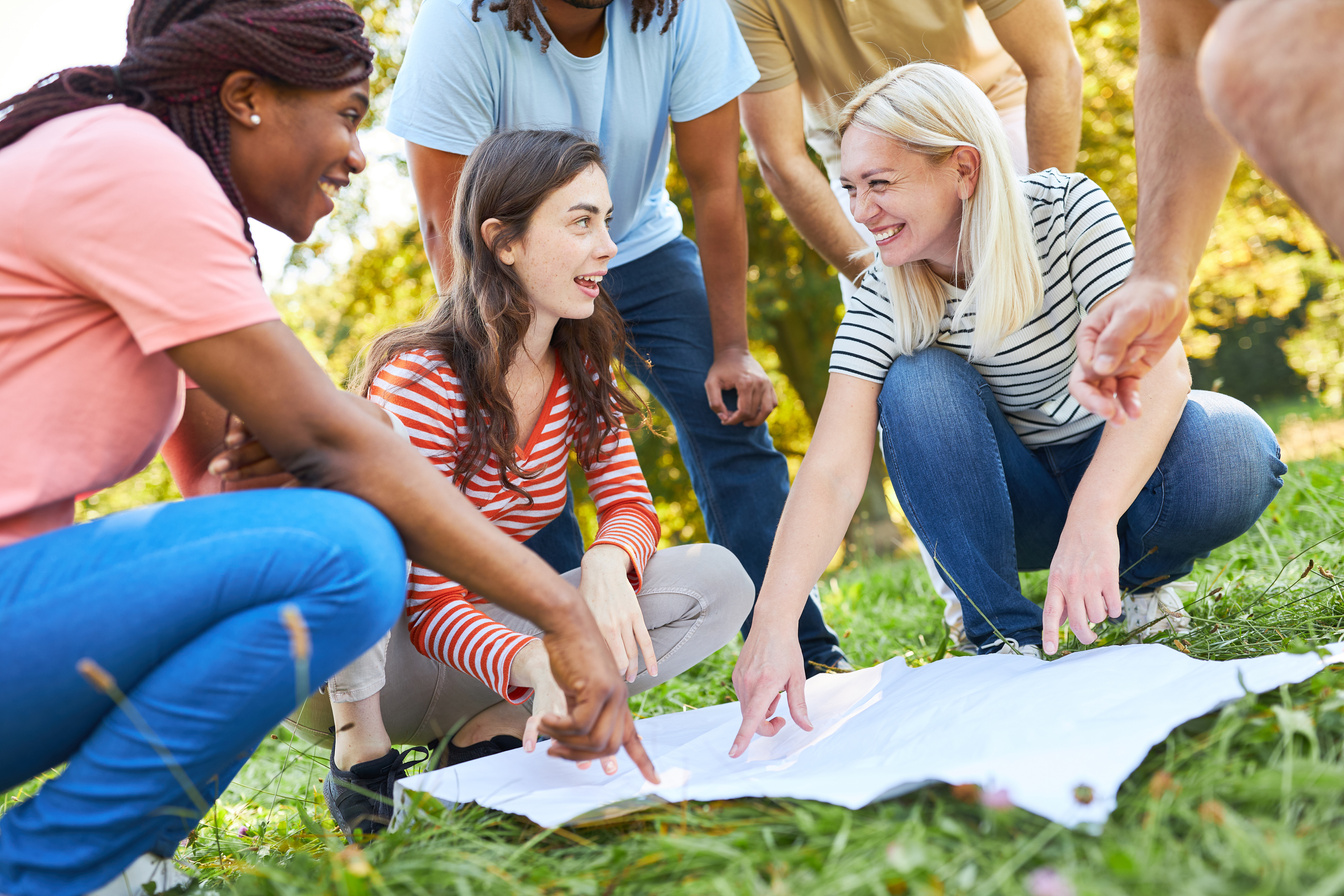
x: 392, y: 694
x: 694, y: 599
x: 214, y: 617
x: 1220, y: 470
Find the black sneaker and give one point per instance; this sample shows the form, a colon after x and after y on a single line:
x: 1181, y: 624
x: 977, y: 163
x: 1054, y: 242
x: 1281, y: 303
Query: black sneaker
x: 361, y: 799
x: 500, y: 743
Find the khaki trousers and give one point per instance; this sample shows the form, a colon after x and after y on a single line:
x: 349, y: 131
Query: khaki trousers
x: 694, y: 600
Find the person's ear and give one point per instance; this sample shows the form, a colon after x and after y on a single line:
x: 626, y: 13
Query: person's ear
x: 246, y: 99
x: 966, y: 164
x: 491, y: 228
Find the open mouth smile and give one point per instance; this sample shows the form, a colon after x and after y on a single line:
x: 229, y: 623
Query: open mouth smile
x: 883, y: 236
x: 590, y: 283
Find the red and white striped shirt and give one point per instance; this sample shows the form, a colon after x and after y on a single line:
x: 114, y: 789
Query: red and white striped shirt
x: 421, y: 391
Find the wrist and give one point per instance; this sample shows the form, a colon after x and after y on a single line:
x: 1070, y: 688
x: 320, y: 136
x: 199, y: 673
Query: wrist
x: 1171, y: 277
x: 1099, y: 517
x: 605, y: 558
x: 561, y: 611
x: 528, y: 664
x: 735, y: 348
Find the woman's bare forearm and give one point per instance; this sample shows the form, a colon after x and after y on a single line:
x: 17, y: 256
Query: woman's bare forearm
x: 1128, y: 454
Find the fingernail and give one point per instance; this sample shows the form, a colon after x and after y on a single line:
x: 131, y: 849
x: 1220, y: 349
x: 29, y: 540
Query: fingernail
x: 1050, y: 647
x: 218, y: 465
x: 1104, y: 363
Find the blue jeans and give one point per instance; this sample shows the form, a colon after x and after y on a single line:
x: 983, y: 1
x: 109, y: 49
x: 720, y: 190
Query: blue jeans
x: 987, y: 506
x: 740, y: 480
x: 181, y: 603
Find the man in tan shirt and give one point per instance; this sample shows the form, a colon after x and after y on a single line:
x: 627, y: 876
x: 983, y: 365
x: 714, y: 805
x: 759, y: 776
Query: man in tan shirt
x: 813, y: 55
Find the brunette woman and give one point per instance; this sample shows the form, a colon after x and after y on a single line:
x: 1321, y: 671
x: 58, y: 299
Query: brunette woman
x: 510, y: 373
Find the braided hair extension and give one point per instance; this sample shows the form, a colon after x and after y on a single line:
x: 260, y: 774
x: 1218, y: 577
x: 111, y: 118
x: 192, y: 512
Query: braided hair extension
x: 522, y: 16
x: 178, y: 53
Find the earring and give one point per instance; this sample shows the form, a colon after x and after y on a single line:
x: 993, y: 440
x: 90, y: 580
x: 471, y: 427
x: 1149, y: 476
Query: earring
x: 255, y: 119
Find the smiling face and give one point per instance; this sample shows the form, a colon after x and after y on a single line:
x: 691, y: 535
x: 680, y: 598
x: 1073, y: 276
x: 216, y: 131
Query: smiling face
x: 303, y: 146
x: 912, y: 207
x: 563, y: 256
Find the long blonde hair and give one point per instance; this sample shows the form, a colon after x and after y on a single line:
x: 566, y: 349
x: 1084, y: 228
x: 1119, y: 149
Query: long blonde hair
x: 932, y: 110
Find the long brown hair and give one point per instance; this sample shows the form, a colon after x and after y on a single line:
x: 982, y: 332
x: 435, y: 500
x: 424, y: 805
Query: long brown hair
x: 485, y: 314
x: 178, y: 53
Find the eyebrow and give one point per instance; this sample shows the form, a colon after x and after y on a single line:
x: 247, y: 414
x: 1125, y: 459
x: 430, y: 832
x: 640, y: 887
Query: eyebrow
x: 586, y: 207
x: 363, y: 98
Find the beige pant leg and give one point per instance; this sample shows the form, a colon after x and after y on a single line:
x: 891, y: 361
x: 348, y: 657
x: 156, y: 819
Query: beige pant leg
x: 694, y: 600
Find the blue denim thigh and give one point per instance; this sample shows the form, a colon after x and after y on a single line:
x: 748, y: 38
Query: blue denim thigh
x: 181, y: 603
x: 1219, y: 472
x: 975, y: 495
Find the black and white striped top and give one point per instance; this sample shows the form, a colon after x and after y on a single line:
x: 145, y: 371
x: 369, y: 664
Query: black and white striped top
x: 1085, y: 253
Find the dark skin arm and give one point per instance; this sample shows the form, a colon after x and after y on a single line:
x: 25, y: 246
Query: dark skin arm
x: 329, y: 439
x: 203, y: 433
x: 707, y: 149
x: 434, y: 175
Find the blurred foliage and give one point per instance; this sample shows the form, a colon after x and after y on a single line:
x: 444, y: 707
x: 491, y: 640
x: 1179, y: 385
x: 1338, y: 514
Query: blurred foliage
x: 1265, y: 323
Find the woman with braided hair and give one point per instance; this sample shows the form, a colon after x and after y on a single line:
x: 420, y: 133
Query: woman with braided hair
x: 200, y: 624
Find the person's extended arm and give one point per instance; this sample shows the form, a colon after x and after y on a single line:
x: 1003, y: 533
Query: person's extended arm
x: 820, y: 506
x: 774, y: 123
x: 1036, y: 34
x: 434, y: 176
x: 1084, y: 573
x: 327, y: 439
x: 1185, y: 164
x: 707, y: 149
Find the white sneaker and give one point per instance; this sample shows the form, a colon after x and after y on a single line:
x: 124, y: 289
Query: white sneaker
x: 1010, y: 647
x: 1164, y: 608
x: 138, y: 877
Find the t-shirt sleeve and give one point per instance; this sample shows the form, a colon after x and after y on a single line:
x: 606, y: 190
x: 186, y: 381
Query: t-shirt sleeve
x: 711, y: 64
x: 995, y: 8
x: 131, y: 216
x: 444, y: 96
x: 1101, y: 254
x: 771, y: 54
x: 865, y: 344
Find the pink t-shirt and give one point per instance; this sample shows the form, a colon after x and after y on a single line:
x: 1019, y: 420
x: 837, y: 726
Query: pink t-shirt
x: 116, y: 243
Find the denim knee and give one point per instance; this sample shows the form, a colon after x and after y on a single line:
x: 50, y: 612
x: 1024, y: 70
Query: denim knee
x: 931, y: 386
x: 371, y: 553
x: 1244, y: 470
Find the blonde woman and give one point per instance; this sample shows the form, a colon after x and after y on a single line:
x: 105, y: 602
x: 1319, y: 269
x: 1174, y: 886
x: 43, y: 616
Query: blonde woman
x: 959, y: 343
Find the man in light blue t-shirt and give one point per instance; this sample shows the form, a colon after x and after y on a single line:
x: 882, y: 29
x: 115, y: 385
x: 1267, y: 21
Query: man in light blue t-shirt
x: 618, y: 71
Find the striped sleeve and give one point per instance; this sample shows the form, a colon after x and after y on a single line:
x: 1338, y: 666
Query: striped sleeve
x: 625, y: 514
x: 865, y: 345
x: 1100, y: 251
x: 421, y: 393
x: 445, y: 626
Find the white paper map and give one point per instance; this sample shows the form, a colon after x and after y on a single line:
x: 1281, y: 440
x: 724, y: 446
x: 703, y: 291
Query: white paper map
x: 1035, y: 730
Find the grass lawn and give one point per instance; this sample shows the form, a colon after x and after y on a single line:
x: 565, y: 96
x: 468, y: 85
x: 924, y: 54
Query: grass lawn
x: 1247, y: 800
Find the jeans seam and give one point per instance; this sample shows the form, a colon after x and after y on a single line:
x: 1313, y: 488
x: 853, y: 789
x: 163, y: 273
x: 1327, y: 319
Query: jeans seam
x: 695, y: 626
